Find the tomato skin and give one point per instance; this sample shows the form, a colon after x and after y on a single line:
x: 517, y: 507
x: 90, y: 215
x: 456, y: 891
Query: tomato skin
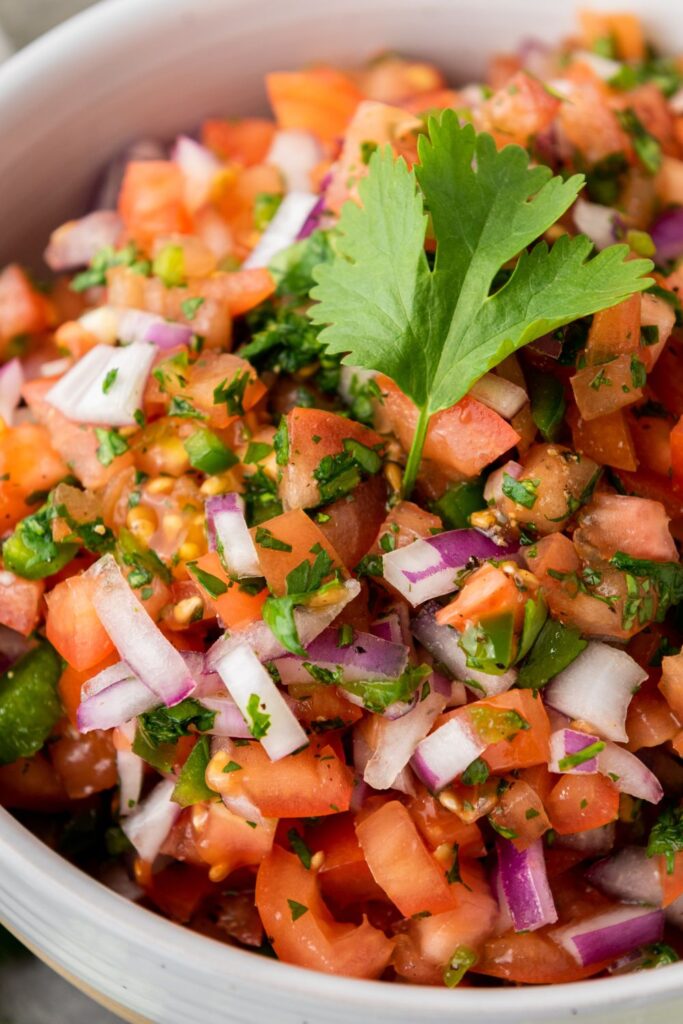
x: 486, y: 593
x: 650, y: 721
x: 356, y: 519
x: 23, y: 310
x: 461, y: 440
x: 344, y: 875
x: 401, y: 864
x: 578, y: 803
x: 315, y: 939
x: 437, y: 825
x: 72, y: 625
x: 530, y: 958
x: 225, y: 841
x: 86, y: 763
x: 246, y: 141
x: 607, y: 440
x: 521, y: 811
x: 240, y: 290
x: 312, y: 783
x: 151, y: 201
x: 320, y: 100
x: 602, y: 390
x: 518, y: 111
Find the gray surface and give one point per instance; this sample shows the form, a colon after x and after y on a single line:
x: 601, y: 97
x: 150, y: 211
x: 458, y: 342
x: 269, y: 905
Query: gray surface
x: 30, y: 993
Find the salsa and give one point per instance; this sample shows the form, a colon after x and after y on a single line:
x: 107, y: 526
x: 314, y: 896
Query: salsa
x: 341, y: 488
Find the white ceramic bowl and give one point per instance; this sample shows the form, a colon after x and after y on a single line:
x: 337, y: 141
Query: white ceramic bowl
x: 136, y: 67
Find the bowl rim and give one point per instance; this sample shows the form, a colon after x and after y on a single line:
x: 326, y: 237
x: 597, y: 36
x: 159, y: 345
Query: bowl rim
x: 46, y: 870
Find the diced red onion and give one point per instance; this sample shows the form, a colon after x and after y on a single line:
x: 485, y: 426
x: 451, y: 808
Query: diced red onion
x: 599, y: 223
x: 136, y: 637
x: 11, y: 383
x: 295, y: 154
x: 229, y: 535
x: 313, y: 219
x: 152, y: 820
x: 139, y: 325
x: 229, y: 720
x: 548, y: 345
x: 629, y: 875
x: 524, y: 884
x: 493, y: 490
x: 499, y: 394
x: 446, y: 752
x: 283, y: 229
x: 131, y: 771
x: 629, y: 774
x: 367, y: 657
x: 667, y: 234
x: 244, y: 676
x: 503, y: 921
x: 398, y: 739
x: 534, y: 56
x: 208, y: 682
x: 442, y: 642
x: 107, y: 194
x: 80, y: 393
x: 597, y: 688
x: 566, y: 742
x: 405, y: 782
x: 75, y: 243
x: 199, y: 168
x: 388, y: 628
x: 112, y: 698
x: 610, y: 934
x: 594, y: 842
x: 427, y: 568
x: 310, y: 622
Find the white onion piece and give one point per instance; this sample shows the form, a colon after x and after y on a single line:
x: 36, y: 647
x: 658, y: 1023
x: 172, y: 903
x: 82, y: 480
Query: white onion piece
x: 152, y: 820
x: 131, y: 771
x: 597, y: 222
x: 136, y: 637
x: 80, y: 393
x: 56, y: 367
x: 629, y: 774
x: 499, y: 394
x: 198, y: 167
x: 208, y: 682
x: 283, y: 229
x: 446, y: 753
x: 295, y: 154
x: 11, y: 383
x: 229, y: 535
x: 442, y: 642
x: 597, y: 688
x: 244, y: 676
x: 310, y: 622
x: 103, y: 323
x: 629, y: 875
x: 604, y: 67
x: 405, y: 782
x: 564, y: 743
x: 229, y: 720
x: 610, y: 934
x: 524, y: 885
x: 398, y: 739
x: 594, y: 842
x: 351, y: 379
x: 75, y: 243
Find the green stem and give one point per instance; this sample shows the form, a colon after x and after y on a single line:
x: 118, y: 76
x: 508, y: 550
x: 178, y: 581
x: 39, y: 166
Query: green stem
x: 415, y: 455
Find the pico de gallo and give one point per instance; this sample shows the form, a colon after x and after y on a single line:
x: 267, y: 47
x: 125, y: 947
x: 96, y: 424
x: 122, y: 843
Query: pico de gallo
x: 341, y: 491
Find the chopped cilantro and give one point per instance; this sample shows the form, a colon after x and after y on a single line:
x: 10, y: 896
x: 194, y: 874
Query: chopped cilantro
x: 257, y: 720
x: 111, y: 445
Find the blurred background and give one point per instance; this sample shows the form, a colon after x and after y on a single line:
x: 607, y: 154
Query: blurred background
x: 31, y: 993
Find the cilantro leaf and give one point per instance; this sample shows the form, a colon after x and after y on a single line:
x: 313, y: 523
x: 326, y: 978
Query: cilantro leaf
x: 257, y: 720
x: 435, y: 332
x: 666, y: 836
x: 110, y: 444
x: 665, y: 578
x: 167, y: 725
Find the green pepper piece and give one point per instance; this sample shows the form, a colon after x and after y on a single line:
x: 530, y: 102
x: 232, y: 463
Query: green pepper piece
x: 29, y: 705
x: 459, y: 502
x: 31, y: 552
x: 207, y: 452
x: 191, y: 787
x: 547, y: 403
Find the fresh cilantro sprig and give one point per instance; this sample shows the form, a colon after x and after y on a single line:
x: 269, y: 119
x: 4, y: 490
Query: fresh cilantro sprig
x: 436, y: 330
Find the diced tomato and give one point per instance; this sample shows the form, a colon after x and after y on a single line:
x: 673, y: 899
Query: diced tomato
x: 655, y: 312
x: 227, y: 842
x: 590, y: 125
x: 31, y: 784
x: 651, y: 485
x: 521, y: 813
x: 240, y: 290
x: 438, y: 825
x: 531, y: 958
x: 529, y: 746
x: 462, y: 440
x: 77, y: 443
x: 671, y: 683
x: 204, y: 381
x: 321, y: 100
x: 521, y: 109
x: 178, y: 890
x: 29, y: 465
x: 21, y: 602
x: 313, y: 435
x: 601, y: 390
x: 299, y: 535
x: 607, y: 440
x: 405, y: 523
x: 246, y: 140
x: 314, y: 782
x: 619, y: 522
x: 71, y: 684
x: 614, y: 332
x: 23, y: 310
x: 302, y: 928
x: 401, y: 864
x: 72, y: 625
x: 86, y: 763
x: 356, y: 519
x: 676, y: 442
x: 671, y: 882
x: 392, y: 79
x: 650, y: 720
x: 578, y: 803
x: 488, y: 592
x: 344, y: 875
x: 624, y: 30
x: 324, y: 707
x: 236, y: 607
x: 653, y: 442
x: 151, y: 201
